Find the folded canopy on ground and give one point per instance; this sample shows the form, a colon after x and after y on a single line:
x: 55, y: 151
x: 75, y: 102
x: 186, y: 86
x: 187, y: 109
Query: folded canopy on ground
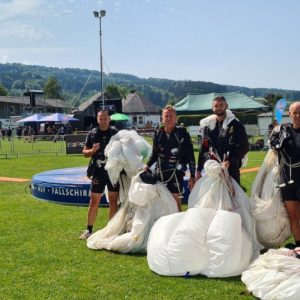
x: 274, y: 275
x: 214, y: 237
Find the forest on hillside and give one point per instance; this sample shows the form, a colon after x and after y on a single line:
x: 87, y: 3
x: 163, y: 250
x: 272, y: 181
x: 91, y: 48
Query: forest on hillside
x: 80, y: 84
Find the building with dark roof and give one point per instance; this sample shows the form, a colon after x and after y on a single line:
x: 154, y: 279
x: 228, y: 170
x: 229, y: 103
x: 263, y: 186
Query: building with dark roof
x: 17, y: 106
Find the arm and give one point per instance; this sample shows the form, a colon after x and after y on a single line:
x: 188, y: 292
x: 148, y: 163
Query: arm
x: 203, y: 153
x: 154, y: 155
x: 241, y: 146
x: 90, y: 148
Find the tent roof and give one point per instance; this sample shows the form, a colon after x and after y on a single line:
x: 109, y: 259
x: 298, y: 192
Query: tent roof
x: 237, y: 101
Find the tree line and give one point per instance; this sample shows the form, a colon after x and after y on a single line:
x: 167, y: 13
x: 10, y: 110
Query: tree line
x: 68, y: 83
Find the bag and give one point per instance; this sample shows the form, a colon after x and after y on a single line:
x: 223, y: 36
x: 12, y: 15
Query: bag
x: 148, y: 177
x: 91, y: 169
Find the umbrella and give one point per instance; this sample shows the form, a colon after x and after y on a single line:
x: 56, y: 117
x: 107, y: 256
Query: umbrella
x: 58, y: 117
x: 119, y: 117
x: 33, y: 118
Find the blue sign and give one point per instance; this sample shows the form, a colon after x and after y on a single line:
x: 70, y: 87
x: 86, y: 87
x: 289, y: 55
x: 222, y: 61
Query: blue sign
x: 279, y: 109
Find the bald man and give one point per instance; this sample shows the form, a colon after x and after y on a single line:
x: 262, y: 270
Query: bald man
x: 286, y: 141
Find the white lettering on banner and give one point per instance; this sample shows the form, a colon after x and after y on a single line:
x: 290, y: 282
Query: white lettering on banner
x: 69, y: 192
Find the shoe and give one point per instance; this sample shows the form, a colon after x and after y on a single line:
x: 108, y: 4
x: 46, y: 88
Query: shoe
x: 85, y: 235
x: 290, y: 246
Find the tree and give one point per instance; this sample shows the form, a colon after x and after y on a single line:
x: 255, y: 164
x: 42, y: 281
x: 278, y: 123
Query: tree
x: 271, y: 100
x: 52, y: 88
x: 3, y: 91
x: 114, y: 91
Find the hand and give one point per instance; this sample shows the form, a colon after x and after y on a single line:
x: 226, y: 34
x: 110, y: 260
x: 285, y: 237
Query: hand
x: 198, y: 175
x: 146, y: 168
x: 96, y: 147
x: 225, y: 164
x: 191, y: 183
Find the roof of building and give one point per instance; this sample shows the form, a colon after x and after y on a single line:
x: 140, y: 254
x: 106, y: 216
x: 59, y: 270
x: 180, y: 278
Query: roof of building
x: 136, y: 103
x: 83, y: 106
x: 40, y: 101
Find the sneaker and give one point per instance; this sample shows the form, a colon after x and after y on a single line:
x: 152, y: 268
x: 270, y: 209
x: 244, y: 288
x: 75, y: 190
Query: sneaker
x: 85, y: 235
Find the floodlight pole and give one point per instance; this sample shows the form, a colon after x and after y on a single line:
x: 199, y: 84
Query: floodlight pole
x: 100, y: 15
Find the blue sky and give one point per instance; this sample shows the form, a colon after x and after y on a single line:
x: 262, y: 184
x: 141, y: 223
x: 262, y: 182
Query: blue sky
x: 253, y: 43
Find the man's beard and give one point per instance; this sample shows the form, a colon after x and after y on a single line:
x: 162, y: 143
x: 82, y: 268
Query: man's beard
x: 220, y: 114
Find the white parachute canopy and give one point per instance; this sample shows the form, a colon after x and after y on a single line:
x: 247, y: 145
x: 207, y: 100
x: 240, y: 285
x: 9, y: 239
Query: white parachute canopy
x: 215, y: 237
x: 125, y: 150
x: 267, y: 208
x: 274, y: 275
x: 129, y: 229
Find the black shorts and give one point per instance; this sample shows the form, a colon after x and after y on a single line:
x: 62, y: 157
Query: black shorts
x: 174, y: 186
x: 100, y: 180
x: 291, y: 192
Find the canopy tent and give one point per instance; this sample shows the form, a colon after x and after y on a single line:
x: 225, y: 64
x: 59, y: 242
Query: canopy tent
x: 119, y: 117
x: 58, y: 117
x: 33, y: 118
x: 201, y: 104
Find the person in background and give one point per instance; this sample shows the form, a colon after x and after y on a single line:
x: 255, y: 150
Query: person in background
x: 224, y: 138
x: 285, y: 140
x: 95, y: 143
x: 172, y: 151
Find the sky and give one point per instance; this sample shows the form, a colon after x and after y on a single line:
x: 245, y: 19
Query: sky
x: 252, y: 43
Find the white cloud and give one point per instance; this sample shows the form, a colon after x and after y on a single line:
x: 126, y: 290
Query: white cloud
x: 23, y: 31
x: 16, y: 8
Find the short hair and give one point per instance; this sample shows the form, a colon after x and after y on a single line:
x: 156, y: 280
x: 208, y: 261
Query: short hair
x: 169, y: 107
x: 219, y: 98
x: 103, y: 111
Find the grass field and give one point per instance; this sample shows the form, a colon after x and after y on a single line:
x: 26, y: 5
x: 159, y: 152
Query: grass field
x: 42, y: 258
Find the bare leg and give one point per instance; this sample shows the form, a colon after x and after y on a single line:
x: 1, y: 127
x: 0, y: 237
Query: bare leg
x: 113, y: 203
x: 178, y: 200
x: 293, y: 210
x: 93, y: 207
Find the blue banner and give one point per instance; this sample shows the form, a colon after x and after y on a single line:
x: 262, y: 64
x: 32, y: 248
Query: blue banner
x: 279, y: 109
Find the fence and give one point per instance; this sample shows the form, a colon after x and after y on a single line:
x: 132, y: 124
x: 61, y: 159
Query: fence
x: 32, y: 145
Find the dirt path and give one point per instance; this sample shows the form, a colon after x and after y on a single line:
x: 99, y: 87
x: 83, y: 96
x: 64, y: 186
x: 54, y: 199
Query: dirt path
x: 12, y: 179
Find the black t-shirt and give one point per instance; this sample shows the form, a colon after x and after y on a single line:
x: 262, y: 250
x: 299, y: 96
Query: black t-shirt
x: 99, y: 136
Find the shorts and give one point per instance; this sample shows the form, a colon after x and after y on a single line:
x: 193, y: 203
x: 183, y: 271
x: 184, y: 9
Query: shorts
x: 100, y: 180
x: 291, y: 192
x: 174, y: 186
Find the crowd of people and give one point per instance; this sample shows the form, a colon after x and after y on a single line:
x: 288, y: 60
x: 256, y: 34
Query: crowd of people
x: 32, y: 131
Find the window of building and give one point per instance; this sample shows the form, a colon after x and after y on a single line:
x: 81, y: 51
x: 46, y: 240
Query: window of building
x: 140, y: 119
x: 134, y: 119
x: 11, y: 110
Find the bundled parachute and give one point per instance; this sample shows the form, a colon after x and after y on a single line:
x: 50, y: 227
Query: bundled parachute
x: 215, y: 237
x: 267, y: 208
x: 129, y: 229
x: 274, y: 275
x: 125, y: 151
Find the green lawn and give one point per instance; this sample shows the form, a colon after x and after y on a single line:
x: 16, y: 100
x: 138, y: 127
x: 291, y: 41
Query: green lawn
x: 42, y: 258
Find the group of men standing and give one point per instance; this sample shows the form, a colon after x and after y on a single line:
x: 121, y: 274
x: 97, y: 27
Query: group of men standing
x: 172, y: 152
x: 223, y: 138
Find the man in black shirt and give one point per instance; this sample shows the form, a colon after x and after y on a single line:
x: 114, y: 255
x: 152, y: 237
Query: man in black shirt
x: 172, y: 151
x: 224, y: 138
x: 95, y: 144
x: 286, y: 141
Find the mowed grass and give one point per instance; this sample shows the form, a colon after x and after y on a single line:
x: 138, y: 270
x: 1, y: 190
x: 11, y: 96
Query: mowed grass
x: 42, y: 258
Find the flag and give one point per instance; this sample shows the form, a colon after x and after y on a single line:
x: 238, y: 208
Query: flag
x: 279, y: 109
